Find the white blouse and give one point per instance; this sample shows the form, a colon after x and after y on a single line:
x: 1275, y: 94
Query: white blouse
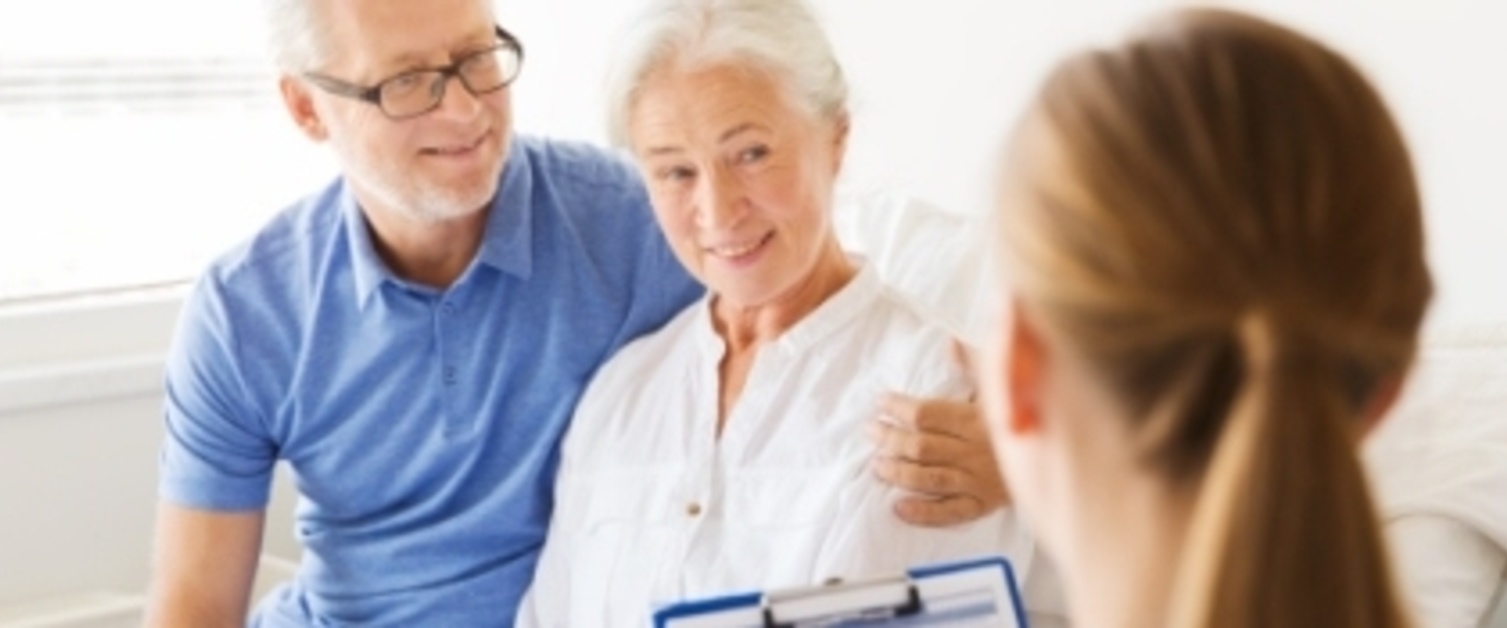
x: 651, y: 507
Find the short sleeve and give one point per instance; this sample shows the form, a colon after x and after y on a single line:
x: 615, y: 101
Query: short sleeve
x: 216, y: 453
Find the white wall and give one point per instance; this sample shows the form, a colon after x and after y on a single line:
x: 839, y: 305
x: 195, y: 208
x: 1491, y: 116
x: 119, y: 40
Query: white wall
x: 80, y: 422
x: 936, y: 83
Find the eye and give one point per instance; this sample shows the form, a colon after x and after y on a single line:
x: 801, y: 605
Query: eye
x: 677, y: 174
x: 404, y: 83
x: 480, y: 61
x: 753, y: 154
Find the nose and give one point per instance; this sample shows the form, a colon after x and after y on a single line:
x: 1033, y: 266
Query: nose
x: 455, y: 100
x: 719, y: 200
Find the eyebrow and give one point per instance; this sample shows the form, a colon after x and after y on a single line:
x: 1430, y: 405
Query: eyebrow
x: 655, y: 151
x: 746, y: 126
x: 419, y: 60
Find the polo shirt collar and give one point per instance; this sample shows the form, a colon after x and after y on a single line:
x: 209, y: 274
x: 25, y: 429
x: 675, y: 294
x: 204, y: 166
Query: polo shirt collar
x: 506, y: 245
x: 366, y: 267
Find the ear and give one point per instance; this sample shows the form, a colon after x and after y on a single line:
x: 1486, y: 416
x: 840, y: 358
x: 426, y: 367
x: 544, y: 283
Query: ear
x: 300, y: 105
x: 1381, y: 401
x: 1025, y: 356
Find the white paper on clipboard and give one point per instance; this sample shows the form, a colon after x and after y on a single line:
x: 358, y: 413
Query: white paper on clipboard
x: 976, y: 593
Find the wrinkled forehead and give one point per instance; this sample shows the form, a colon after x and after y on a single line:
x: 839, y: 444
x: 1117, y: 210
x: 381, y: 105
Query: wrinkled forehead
x: 711, y: 100
x: 376, y: 35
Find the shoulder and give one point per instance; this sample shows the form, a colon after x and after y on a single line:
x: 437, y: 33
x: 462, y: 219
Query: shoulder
x: 911, y: 350
x: 594, y: 193
x: 578, y: 166
x: 643, y: 371
x: 906, y: 324
x: 262, y: 287
x: 650, y: 349
x: 644, y: 360
x: 287, y: 246
x: 925, y: 252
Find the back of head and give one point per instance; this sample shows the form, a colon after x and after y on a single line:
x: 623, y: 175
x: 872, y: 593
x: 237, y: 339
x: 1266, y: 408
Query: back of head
x: 1221, y: 216
x: 782, y: 37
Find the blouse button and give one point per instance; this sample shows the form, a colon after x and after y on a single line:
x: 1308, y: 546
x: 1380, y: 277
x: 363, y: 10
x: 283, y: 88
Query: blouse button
x: 693, y: 509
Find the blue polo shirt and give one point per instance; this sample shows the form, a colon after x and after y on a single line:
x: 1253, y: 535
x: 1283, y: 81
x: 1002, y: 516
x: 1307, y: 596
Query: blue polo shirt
x: 421, y: 424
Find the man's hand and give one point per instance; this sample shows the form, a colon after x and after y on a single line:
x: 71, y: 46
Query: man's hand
x: 939, y: 450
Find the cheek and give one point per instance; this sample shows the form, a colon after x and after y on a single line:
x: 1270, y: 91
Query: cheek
x: 1019, y: 454
x: 991, y: 385
x: 380, y: 142
x: 1021, y: 460
x: 678, y: 225
x: 1014, y: 452
x: 500, y: 104
x: 784, y: 196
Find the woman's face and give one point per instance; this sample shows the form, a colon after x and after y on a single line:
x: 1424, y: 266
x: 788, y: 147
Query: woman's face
x: 740, y: 179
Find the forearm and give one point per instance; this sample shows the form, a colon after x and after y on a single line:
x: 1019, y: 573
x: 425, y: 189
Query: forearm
x: 177, y: 605
x: 203, y: 567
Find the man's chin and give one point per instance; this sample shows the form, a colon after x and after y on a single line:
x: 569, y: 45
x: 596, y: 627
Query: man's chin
x: 439, y: 213
x: 456, y: 202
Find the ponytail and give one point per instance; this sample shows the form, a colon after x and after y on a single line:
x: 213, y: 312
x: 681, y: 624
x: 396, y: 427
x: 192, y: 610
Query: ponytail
x: 1284, y: 532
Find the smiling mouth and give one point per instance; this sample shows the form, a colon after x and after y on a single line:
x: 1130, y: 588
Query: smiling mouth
x: 735, y: 250
x: 455, y: 150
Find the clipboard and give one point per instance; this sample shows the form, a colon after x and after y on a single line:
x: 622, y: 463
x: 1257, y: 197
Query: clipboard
x: 973, y: 593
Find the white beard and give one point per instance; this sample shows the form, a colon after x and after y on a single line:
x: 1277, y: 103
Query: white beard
x: 404, y: 193
x: 419, y: 201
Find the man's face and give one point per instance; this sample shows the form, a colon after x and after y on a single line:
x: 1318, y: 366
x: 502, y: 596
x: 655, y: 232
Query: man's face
x: 437, y: 166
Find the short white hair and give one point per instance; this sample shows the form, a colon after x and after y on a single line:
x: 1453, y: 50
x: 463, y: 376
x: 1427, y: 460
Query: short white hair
x: 782, y: 37
x: 298, y: 34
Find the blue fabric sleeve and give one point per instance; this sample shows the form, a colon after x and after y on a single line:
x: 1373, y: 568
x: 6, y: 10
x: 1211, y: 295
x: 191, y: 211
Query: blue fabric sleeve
x: 216, y: 453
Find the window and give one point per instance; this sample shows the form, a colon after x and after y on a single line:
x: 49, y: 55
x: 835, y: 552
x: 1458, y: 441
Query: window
x: 140, y: 139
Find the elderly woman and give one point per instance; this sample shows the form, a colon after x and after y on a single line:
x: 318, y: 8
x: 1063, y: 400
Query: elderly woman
x: 1214, y: 246
x: 727, y: 451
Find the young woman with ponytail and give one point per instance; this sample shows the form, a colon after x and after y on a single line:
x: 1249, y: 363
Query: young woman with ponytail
x: 1211, y: 237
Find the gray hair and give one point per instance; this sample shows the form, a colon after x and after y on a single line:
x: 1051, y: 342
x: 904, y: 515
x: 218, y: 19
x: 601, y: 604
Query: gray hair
x: 778, y: 36
x: 297, y: 34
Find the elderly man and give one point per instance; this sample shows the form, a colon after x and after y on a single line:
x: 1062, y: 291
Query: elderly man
x: 412, y: 340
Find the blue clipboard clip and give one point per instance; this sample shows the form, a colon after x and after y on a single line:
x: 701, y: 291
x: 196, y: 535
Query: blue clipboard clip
x: 879, y: 598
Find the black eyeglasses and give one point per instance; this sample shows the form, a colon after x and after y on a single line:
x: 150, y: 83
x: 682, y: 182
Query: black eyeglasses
x: 417, y: 92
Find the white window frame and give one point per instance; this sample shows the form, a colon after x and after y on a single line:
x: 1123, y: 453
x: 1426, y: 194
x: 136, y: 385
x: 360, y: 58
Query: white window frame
x: 87, y: 348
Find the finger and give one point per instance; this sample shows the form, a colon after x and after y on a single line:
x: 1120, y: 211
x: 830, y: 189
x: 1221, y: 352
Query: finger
x: 922, y: 447
x: 944, y: 512
x: 962, y: 357
x: 933, y: 480
x: 928, y: 415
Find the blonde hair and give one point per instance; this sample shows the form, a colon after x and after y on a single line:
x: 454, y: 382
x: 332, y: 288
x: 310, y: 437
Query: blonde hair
x: 1221, y: 215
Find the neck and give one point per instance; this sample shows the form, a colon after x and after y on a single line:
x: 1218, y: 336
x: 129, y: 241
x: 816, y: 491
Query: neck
x: 429, y: 253
x: 745, y: 327
x: 1128, y: 555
